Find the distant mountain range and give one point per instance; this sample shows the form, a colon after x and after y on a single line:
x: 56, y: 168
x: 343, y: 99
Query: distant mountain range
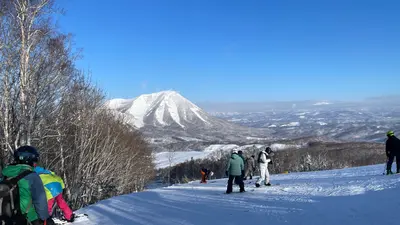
x: 170, y: 121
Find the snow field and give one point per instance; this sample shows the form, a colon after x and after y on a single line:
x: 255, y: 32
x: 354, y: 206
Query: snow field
x: 357, y: 196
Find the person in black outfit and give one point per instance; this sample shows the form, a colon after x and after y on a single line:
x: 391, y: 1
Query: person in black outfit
x: 392, y: 150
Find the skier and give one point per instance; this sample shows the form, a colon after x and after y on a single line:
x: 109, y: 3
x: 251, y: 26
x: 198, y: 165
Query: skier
x: 32, y: 196
x: 240, y: 153
x: 54, y: 187
x: 250, y: 167
x: 392, y: 150
x: 235, y: 170
x: 264, y: 159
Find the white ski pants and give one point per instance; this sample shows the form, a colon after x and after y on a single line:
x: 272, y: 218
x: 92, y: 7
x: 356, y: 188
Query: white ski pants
x: 264, y: 173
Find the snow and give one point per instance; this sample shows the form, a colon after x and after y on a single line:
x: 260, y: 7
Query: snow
x: 322, y: 103
x: 357, y: 196
x: 257, y: 138
x: 277, y: 146
x: 165, y: 159
x: 163, y: 108
x: 322, y: 123
x: 291, y: 124
x: 196, y: 111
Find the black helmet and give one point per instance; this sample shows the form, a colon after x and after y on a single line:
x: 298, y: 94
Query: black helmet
x: 268, y: 150
x: 26, y: 154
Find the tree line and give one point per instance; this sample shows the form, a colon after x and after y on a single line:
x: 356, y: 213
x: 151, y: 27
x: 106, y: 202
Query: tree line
x: 46, y: 102
x: 316, y: 156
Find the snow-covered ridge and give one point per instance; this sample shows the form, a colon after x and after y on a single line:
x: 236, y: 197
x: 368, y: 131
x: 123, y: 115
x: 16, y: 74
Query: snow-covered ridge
x: 165, y: 108
x: 322, y: 103
x: 166, y: 159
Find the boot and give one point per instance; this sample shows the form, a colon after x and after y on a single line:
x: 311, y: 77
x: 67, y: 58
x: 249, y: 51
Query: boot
x: 269, y: 184
x: 389, y: 172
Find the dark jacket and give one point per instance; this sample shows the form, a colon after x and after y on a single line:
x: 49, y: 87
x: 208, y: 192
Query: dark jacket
x: 392, y: 146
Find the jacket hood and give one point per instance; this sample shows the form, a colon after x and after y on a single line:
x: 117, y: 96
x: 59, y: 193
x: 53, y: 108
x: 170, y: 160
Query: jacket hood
x: 235, y: 156
x: 15, y: 170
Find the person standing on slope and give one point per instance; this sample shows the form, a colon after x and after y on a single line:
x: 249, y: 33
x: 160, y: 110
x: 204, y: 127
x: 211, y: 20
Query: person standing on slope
x: 235, y: 171
x: 264, y: 159
x: 392, y: 150
x: 250, y: 167
x: 54, y: 187
x: 240, y: 153
x: 32, y: 196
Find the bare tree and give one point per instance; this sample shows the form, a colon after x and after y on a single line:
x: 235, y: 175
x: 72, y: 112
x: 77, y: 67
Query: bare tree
x: 171, y: 157
x: 46, y: 102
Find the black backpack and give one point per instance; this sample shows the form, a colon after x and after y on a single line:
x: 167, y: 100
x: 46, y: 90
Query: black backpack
x: 259, y: 156
x: 10, y: 211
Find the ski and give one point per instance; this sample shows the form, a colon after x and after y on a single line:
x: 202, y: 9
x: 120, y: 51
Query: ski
x: 78, y: 218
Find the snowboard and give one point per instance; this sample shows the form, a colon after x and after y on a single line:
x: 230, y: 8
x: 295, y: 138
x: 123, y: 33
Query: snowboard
x: 265, y: 186
x: 78, y: 218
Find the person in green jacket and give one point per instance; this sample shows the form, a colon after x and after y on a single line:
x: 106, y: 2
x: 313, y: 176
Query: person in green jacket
x: 33, y: 201
x: 235, y: 171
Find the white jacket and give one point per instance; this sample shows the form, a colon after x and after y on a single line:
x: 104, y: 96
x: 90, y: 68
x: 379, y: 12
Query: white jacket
x: 263, y: 158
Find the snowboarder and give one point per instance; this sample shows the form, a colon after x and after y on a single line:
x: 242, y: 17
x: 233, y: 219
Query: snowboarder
x: 205, y: 174
x: 32, y: 196
x: 392, y: 150
x: 54, y: 187
x: 235, y: 171
x: 250, y: 167
x: 263, y: 160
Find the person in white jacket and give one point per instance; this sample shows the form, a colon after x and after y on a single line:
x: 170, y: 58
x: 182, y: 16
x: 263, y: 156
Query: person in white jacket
x: 264, y: 159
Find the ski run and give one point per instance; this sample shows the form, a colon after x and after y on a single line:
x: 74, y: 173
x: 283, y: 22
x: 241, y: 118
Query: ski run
x: 357, y: 196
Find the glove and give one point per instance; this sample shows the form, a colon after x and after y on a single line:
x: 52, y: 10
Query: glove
x: 226, y: 173
x: 242, y: 173
x: 270, y: 162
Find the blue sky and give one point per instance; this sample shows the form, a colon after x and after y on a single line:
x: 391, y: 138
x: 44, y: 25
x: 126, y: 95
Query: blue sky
x: 231, y: 50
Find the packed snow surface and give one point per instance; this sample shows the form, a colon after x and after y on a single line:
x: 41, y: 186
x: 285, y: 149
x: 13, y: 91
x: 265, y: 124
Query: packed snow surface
x: 357, y: 196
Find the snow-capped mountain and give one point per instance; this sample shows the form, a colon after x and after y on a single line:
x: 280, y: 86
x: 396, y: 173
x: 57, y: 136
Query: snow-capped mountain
x: 170, y: 121
x: 162, y: 109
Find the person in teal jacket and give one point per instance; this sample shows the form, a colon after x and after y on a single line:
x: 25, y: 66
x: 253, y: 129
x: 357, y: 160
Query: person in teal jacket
x: 235, y: 171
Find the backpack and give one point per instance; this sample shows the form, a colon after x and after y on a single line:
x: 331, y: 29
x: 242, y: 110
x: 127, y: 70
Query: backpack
x: 259, y: 157
x: 10, y: 211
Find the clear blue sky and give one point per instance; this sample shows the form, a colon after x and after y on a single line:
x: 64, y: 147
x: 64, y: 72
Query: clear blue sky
x: 247, y: 50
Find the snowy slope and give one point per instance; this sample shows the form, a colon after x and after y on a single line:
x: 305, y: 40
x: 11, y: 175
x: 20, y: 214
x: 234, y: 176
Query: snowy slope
x: 165, y: 108
x: 357, y: 196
